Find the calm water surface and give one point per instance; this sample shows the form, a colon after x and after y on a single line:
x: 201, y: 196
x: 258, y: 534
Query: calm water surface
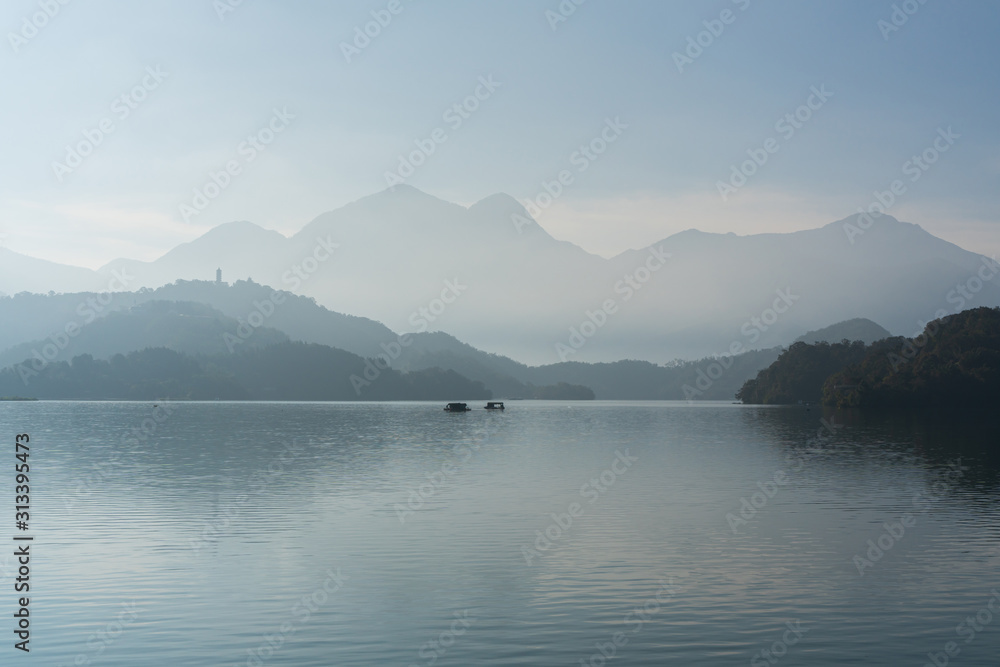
x: 398, y: 534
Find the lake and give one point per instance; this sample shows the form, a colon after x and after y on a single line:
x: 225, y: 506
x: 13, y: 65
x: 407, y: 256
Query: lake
x: 554, y: 533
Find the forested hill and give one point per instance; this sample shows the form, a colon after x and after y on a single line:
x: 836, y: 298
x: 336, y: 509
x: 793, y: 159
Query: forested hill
x: 956, y: 361
x: 858, y: 328
x: 288, y: 371
x: 284, y: 371
x: 800, y: 373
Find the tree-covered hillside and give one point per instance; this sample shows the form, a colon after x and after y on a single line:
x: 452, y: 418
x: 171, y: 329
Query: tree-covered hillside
x: 799, y: 373
x: 954, y: 362
x: 285, y: 371
x: 190, y: 328
x: 859, y: 328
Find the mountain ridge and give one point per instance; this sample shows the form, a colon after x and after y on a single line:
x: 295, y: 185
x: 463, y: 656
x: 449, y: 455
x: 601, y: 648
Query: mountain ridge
x: 388, y: 255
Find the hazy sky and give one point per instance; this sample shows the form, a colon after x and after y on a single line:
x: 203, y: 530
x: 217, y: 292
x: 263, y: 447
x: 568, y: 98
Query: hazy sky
x: 198, y: 81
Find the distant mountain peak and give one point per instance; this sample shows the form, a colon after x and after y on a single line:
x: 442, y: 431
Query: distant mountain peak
x: 503, y: 207
x: 403, y: 192
x: 401, y: 189
x: 691, y: 238
x: 398, y: 198
x: 239, y: 235
x: 498, y: 200
x: 868, y: 220
x: 693, y: 233
x: 501, y: 204
x: 240, y: 227
x: 859, y: 328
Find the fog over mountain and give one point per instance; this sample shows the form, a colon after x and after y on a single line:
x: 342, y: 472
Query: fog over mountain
x: 495, y: 279
x: 107, y: 326
x: 534, y: 332
x: 20, y: 273
x: 857, y: 329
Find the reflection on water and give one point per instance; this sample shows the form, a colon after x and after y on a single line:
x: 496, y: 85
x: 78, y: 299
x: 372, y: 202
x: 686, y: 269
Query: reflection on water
x: 553, y: 533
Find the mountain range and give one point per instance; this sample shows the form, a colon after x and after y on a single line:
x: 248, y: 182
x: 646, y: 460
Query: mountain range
x: 231, y: 326
x: 851, y: 330
x: 502, y: 284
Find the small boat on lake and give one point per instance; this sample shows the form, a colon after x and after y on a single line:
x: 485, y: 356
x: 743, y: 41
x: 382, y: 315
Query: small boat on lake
x: 494, y: 405
x: 457, y: 407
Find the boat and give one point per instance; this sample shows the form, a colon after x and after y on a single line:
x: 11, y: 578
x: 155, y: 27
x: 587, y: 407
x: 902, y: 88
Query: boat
x: 494, y: 405
x: 457, y: 407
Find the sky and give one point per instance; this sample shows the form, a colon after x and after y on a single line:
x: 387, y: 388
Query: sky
x: 617, y: 123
